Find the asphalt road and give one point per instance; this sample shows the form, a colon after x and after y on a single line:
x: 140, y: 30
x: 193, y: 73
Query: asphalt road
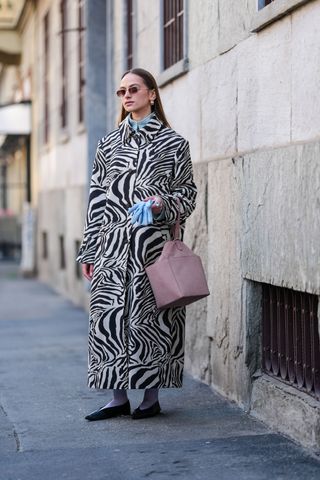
x: 44, y: 398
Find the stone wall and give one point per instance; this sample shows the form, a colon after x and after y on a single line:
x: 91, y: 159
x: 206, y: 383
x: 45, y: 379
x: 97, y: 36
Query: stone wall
x: 249, y: 114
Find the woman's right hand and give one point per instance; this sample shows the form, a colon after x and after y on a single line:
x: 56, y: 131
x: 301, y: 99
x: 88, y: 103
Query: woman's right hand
x: 87, y: 270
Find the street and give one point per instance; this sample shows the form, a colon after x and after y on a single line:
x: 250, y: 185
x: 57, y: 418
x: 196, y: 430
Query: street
x: 44, y: 398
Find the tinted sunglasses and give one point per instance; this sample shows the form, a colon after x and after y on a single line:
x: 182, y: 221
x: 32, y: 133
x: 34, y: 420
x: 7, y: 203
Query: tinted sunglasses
x: 132, y: 90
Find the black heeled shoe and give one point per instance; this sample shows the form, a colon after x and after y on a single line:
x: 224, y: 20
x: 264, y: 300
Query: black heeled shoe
x: 146, y: 412
x: 109, y: 412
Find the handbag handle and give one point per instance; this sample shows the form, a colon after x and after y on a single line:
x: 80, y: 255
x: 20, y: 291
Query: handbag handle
x: 175, y: 230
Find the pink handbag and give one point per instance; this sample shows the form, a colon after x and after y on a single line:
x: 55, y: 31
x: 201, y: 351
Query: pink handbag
x: 177, y: 277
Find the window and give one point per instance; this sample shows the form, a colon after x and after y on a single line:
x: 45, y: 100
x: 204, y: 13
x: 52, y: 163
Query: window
x: 3, y: 186
x: 266, y: 16
x: 46, y: 91
x: 77, y: 264
x: 173, y: 32
x: 129, y: 49
x: 263, y: 3
x: 62, y: 252
x: 81, y: 73
x: 290, y: 337
x: 64, y: 64
x: 44, y: 245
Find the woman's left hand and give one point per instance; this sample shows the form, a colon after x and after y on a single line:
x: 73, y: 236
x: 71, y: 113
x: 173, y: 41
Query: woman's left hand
x: 157, y: 204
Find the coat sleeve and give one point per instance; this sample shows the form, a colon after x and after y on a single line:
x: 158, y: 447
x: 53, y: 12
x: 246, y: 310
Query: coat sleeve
x: 95, y: 209
x: 182, y: 187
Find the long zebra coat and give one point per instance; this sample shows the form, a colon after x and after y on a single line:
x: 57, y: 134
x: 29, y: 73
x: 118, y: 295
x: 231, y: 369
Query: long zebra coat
x: 132, y: 344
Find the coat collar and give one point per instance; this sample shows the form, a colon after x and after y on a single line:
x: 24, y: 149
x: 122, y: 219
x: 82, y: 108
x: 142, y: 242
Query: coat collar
x: 147, y: 132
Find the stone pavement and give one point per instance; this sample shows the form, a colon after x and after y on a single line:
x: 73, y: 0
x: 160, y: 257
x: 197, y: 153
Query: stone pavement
x: 44, y: 398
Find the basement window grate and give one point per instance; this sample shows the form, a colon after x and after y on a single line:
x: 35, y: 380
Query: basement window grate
x: 290, y: 337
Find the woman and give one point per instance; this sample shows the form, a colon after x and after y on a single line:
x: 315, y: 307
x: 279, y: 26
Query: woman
x: 133, y: 345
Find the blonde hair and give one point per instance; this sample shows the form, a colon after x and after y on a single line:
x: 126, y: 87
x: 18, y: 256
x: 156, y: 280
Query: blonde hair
x: 151, y: 84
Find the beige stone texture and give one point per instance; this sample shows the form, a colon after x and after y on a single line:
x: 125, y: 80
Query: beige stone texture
x: 305, y: 72
x: 225, y: 319
x: 203, y: 38
x: 264, y: 98
x: 196, y: 236
x: 119, y: 39
x: 234, y: 20
x: 287, y: 410
x: 181, y: 102
x: 218, y: 86
x: 148, y: 33
x: 280, y: 215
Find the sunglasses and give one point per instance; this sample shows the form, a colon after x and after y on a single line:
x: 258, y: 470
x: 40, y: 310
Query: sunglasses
x: 132, y: 90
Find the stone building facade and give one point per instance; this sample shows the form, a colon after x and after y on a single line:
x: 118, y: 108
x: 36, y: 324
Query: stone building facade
x: 53, y: 54
x: 16, y: 184
x: 71, y: 93
x: 244, y: 91
x: 61, y: 138
x: 239, y: 79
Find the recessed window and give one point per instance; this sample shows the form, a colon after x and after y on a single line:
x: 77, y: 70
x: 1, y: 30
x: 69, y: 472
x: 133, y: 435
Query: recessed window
x: 290, y: 337
x: 173, y: 32
x: 263, y: 3
x: 81, y: 72
x: 129, y: 36
x: 77, y: 264
x: 46, y: 85
x: 44, y: 245
x: 64, y: 64
x: 62, y: 252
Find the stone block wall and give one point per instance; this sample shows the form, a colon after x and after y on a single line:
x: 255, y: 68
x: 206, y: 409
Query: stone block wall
x: 248, y: 106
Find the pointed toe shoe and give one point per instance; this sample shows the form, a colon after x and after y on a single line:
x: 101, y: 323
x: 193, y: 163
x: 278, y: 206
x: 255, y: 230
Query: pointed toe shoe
x: 146, y: 412
x: 109, y: 412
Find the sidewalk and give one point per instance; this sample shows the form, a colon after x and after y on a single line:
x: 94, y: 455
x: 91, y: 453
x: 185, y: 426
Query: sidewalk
x: 44, y: 398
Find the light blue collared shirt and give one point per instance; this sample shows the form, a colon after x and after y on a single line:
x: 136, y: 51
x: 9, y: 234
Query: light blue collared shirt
x: 140, y: 123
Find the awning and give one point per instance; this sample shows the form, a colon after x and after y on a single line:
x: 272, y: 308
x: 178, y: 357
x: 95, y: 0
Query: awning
x: 15, y: 119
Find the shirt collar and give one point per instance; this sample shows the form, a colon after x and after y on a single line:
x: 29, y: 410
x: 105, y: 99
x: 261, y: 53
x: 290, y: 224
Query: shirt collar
x: 137, y: 125
x: 149, y: 130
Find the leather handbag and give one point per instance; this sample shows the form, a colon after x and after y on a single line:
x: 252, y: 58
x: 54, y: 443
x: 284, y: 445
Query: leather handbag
x: 177, y: 277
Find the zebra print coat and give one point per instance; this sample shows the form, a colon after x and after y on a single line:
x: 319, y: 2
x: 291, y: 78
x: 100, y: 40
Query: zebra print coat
x: 132, y: 345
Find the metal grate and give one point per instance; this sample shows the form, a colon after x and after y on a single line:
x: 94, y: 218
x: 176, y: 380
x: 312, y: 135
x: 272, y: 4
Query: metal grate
x: 290, y: 337
x: 173, y: 13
